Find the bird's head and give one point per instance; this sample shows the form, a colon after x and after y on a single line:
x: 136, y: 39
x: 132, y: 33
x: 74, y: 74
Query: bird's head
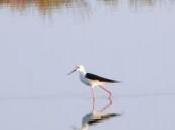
x: 79, y: 68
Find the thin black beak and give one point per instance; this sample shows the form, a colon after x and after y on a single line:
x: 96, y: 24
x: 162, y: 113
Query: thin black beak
x: 72, y: 71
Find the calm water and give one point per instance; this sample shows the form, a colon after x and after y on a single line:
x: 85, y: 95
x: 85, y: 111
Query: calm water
x: 130, y: 40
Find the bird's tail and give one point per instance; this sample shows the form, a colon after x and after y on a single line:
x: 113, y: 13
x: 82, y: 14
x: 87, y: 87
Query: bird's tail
x: 115, y: 81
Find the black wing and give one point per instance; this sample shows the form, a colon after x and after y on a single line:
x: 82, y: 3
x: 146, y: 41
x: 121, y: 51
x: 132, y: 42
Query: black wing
x: 102, y: 79
x: 98, y: 119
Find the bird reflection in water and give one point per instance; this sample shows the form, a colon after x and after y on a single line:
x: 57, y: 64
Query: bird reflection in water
x: 93, y: 118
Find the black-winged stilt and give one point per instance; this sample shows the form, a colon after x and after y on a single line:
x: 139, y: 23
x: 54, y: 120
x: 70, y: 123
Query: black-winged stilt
x: 93, y: 81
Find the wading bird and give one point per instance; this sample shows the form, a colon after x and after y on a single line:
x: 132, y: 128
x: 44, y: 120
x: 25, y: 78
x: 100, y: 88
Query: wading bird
x: 94, y: 81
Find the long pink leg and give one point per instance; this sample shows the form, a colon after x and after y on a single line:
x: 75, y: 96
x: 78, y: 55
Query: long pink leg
x: 110, y: 99
x: 93, y: 98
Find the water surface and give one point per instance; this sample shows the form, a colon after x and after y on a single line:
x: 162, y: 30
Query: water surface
x: 130, y: 40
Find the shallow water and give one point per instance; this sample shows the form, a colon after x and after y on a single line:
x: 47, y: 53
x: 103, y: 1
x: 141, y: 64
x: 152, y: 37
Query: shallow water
x: 130, y: 40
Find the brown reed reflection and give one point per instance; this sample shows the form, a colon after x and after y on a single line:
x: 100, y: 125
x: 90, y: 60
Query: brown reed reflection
x: 43, y: 6
x: 47, y: 6
x: 141, y: 3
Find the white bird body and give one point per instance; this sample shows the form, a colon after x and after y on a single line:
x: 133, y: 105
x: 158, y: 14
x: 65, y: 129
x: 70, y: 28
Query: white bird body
x: 90, y: 82
x: 84, y: 80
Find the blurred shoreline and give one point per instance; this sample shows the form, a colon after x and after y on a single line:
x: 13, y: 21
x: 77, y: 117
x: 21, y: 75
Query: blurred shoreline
x: 46, y: 6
